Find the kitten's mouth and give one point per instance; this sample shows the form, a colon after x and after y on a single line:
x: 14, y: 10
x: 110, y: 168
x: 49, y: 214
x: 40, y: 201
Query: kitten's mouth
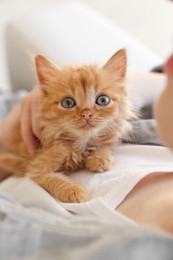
x: 88, y: 125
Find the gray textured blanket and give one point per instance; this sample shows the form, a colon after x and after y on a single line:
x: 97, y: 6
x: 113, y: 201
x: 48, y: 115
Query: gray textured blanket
x: 27, y: 233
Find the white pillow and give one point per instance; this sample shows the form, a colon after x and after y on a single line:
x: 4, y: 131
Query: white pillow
x: 69, y: 33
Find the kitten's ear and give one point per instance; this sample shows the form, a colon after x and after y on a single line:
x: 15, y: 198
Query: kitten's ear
x: 117, y: 64
x: 46, y: 71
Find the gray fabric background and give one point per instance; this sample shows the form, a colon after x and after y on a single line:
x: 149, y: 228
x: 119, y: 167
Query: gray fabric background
x: 27, y: 233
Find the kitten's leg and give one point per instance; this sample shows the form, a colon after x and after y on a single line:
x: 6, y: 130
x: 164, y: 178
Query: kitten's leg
x: 99, y: 160
x: 61, y: 187
x: 43, y: 171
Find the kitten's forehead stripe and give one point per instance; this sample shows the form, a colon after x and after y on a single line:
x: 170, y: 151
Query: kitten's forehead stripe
x: 87, y: 77
x: 85, y: 84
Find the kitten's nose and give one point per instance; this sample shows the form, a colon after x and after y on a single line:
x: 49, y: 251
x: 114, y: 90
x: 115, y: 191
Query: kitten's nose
x: 86, y: 114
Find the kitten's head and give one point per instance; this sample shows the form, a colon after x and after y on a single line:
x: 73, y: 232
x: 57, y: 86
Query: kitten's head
x: 84, y: 100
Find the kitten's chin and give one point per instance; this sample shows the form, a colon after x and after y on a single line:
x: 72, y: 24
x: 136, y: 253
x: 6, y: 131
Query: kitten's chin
x: 88, y: 125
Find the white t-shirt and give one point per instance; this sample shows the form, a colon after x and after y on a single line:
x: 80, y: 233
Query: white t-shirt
x: 107, y: 190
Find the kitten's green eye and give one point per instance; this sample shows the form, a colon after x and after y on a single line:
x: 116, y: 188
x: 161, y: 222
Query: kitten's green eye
x: 68, y: 102
x: 103, y: 100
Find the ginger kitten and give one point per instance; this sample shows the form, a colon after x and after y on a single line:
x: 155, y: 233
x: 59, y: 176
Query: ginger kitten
x: 84, y: 111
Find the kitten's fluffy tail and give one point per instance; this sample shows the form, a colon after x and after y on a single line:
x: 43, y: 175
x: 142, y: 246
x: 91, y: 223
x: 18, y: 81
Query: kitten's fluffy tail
x: 14, y: 164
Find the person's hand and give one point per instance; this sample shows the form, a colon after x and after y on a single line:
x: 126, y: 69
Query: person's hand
x: 25, y: 114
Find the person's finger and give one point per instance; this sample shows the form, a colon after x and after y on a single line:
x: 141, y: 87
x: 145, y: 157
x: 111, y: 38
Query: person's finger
x: 26, y: 126
x: 36, y: 125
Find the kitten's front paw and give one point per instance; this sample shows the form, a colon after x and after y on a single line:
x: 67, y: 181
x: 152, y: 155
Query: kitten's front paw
x: 98, y: 164
x: 74, y: 193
